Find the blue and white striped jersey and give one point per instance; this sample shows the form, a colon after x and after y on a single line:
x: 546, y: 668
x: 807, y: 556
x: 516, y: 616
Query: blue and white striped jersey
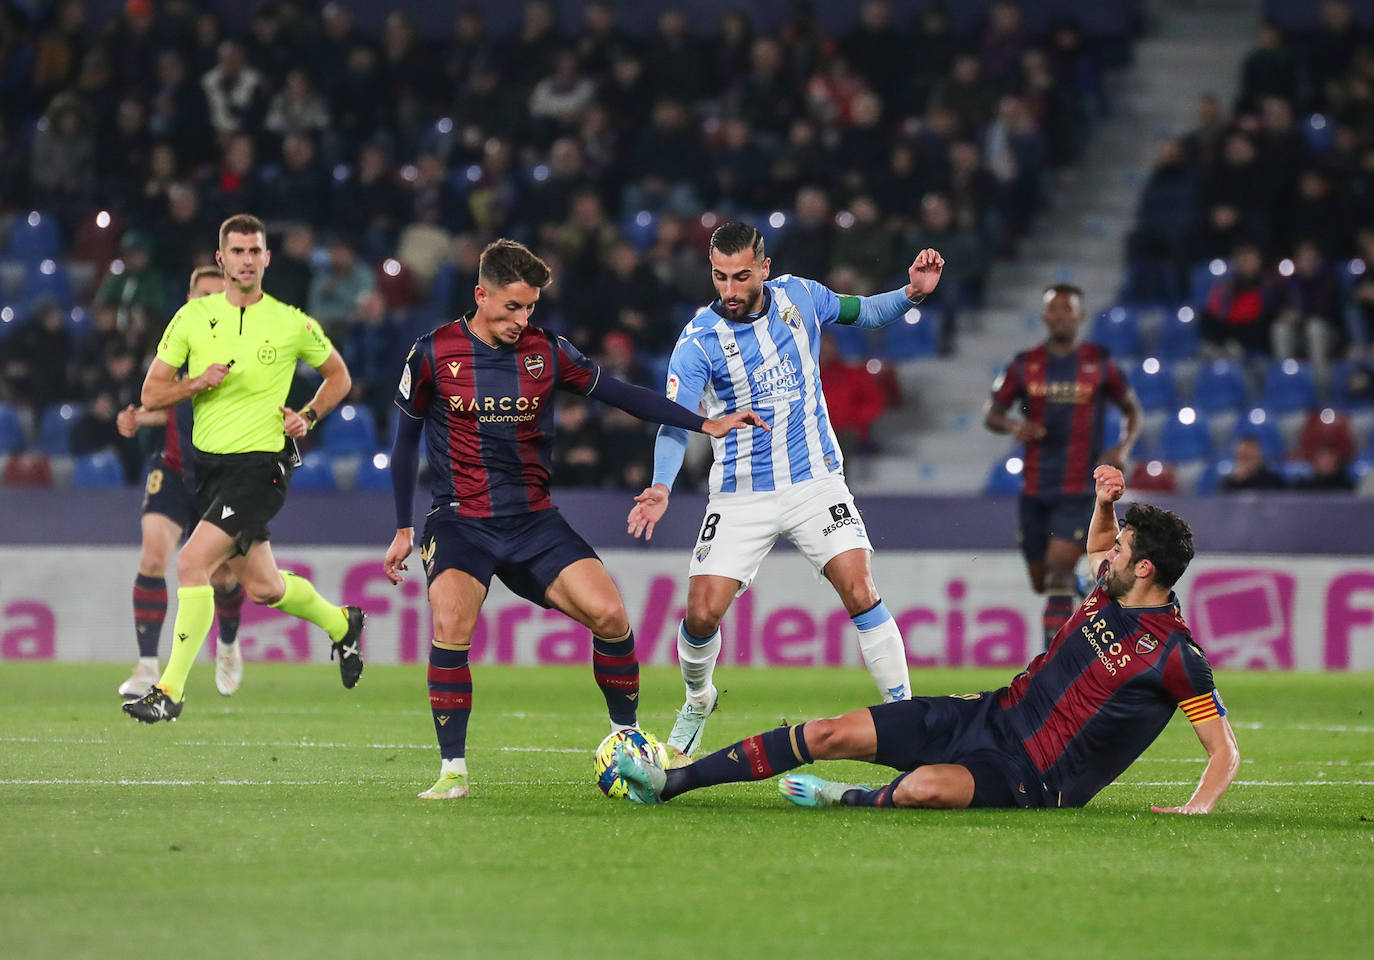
x: 770, y: 365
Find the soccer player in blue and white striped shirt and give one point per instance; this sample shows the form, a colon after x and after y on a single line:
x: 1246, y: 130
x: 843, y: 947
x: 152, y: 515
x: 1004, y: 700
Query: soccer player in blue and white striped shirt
x: 758, y: 346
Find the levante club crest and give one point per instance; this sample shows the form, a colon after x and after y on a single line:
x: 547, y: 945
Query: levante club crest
x: 534, y: 365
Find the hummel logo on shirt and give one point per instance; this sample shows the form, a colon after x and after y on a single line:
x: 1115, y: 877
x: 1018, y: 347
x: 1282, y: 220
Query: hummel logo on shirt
x: 228, y: 512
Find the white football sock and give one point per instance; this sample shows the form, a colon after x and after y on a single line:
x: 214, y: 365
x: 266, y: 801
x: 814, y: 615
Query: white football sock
x: 698, y: 663
x: 884, y: 653
x: 454, y: 765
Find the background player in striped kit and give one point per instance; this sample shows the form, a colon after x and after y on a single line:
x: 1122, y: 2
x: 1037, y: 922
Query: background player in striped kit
x: 758, y: 345
x: 1061, y: 388
x: 169, y: 491
x: 485, y: 384
x: 1064, y: 728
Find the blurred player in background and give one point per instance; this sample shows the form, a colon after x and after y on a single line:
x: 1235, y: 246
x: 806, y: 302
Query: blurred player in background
x: 240, y: 348
x: 1063, y: 729
x: 1060, y: 390
x: 484, y: 384
x: 758, y: 345
x: 168, y: 512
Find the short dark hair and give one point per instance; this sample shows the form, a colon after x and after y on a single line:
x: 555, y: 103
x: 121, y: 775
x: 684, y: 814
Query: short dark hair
x: 1163, y: 538
x: 241, y: 223
x: 208, y: 270
x: 732, y: 236
x: 1067, y: 289
x: 505, y: 262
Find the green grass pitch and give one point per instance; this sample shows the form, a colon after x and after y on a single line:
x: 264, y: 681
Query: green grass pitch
x: 284, y: 823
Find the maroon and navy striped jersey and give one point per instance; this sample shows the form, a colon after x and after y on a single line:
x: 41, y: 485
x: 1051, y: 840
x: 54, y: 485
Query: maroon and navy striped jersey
x: 1067, y: 396
x: 488, y: 414
x: 1086, y: 708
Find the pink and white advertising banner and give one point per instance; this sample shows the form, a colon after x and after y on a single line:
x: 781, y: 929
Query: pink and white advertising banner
x: 954, y: 609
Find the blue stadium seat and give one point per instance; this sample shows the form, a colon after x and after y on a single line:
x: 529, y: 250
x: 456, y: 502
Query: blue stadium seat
x: 1118, y: 329
x: 1319, y: 131
x: 1201, y: 276
x: 1178, y: 335
x: 1209, y: 481
x: 1264, y: 427
x: 11, y: 430
x: 54, y: 428
x: 100, y: 469
x: 914, y: 336
x: 1295, y: 471
x: 1181, y: 441
x: 314, y: 473
x: 350, y: 429
x: 34, y: 237
x: 1153, y: 382
x: 1352, y: 386
x: 1002, y: 481
x: 1289, y: 387
x: 1220, y: 387
x: 852, y: 340
x: 441, y: 292
x: 374, y: 474
x: 640, y: 227
x: 47, y: 280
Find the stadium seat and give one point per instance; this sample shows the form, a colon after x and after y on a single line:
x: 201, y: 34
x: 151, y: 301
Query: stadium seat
x: 1289, y: 387
x: 914, y: 336
x: 34, y: 237
x: 441, y: 292
x: 640, y: 227
x: 100, y: 469
x: 1153, y: 382
x: 1295, y: 471
x: 350, y: 429
x: 852, y: 340
x: 1220, y: 387
x: 1209, y: 481
x: 1352, y: 386
x: 1264, y: 427
x: 1178, y: 335
x: 95, y: 243
x: 47, y: 280
x: 1182, y: 439
x: 396, y: 284
x: 314, y: 473
x: 11, y: 430
x: 1118, y: 329
x: 1201, y: 277
x: 27, y: 470
x: 54, y: 428
x: 1319, y: 131
x: 374, y: 474
x: 1153, y: 475
x: 1004, y: 479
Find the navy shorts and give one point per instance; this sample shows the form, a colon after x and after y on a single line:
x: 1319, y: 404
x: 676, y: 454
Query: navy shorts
x: 958, y: 729
x: 165, y: 492
x: 1043, y: 519
x: 526, y: 552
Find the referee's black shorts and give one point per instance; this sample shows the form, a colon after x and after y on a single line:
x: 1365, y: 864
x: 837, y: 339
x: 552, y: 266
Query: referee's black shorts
x: 241, y: 492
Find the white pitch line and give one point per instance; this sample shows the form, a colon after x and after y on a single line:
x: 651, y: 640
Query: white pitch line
x: 1248, y: 783
x: 259, y: 783
x: 284, y: 744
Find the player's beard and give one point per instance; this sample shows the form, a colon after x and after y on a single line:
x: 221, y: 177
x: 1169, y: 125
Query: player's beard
x: 746, y: 307
x: 1118, y: 583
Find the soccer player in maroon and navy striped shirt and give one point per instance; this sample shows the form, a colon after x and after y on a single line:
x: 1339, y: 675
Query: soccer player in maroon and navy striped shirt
x: 1063, y: 729
x: 1061, y: 389
x: 482, y: 390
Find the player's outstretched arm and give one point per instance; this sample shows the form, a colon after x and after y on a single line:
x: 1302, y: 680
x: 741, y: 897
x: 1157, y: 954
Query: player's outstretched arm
x: 1223, y: 760
x: 739, y: 420
x: 924, y: 274
x: 1102, y: 531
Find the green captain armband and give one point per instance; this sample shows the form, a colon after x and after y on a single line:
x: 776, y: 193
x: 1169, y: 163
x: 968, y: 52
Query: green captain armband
x: 849, y: 310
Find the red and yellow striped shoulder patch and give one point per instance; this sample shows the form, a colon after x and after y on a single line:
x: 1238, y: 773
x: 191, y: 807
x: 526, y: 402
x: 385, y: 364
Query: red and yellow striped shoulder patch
x: 1202, y: 708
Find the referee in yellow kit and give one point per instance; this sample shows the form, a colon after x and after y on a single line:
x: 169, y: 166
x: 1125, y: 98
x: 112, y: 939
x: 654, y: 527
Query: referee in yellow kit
x: 240, y: 348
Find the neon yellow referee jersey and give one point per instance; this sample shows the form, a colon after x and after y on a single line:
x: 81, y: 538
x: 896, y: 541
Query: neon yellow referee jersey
x: 263, y: 341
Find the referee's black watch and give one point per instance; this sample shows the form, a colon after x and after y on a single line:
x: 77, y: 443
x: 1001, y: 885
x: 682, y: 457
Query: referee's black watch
x: 311, y: 418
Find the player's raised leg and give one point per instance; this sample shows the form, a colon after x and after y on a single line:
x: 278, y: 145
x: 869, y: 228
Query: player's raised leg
x: 455, y: 598
x: 880, y: 641
x: 160, y: 536
x: 585, y: 591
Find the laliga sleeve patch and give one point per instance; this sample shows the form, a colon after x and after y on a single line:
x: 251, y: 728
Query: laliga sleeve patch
x: 672, y: 386
x: 404, y: 386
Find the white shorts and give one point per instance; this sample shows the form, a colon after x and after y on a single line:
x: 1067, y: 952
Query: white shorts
x: 739, y: 529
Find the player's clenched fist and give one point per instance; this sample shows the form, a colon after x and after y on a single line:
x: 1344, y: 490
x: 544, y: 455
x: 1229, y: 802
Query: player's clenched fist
x: 1110, y: 483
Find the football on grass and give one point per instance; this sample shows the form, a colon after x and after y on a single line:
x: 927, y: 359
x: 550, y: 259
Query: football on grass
x: 643, y: 746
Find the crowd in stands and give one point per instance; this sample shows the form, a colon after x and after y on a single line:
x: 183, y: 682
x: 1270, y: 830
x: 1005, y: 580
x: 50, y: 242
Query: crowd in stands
x: 383, y: 163
x: 1253, y: 247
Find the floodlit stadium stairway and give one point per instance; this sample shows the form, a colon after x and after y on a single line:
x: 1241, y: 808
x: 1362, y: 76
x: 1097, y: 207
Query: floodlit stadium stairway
x: 938, y: 438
